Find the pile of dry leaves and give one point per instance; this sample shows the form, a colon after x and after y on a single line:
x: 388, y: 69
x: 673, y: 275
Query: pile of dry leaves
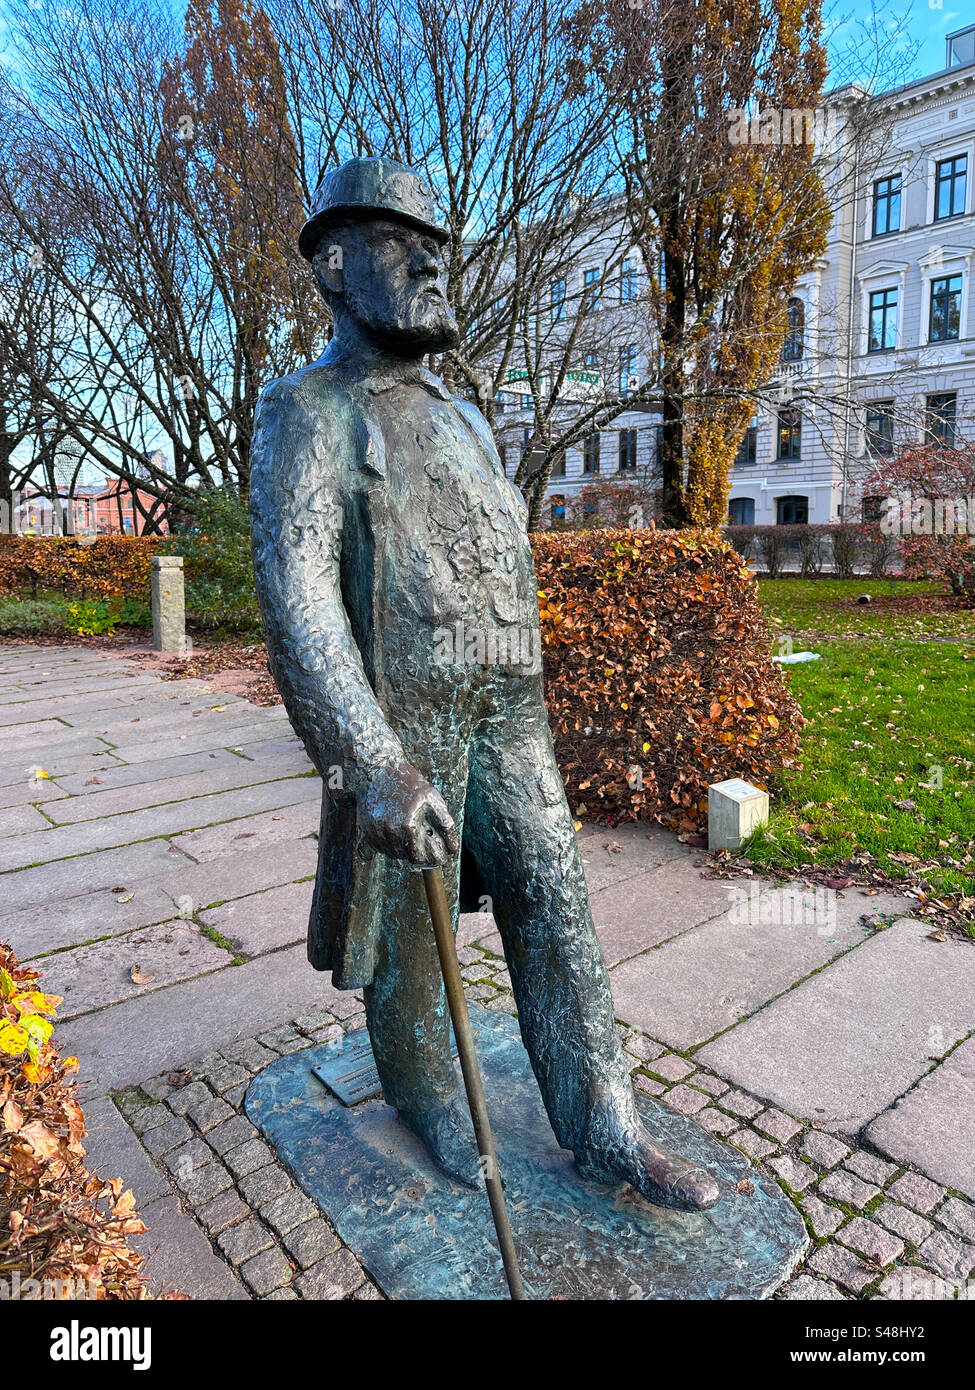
x: 60, y: 1225
x: 949, y: 913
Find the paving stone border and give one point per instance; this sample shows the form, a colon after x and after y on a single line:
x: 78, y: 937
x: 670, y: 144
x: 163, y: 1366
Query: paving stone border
x: 878, y: 1230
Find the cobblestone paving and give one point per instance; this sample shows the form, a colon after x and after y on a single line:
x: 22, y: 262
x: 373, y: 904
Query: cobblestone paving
x: 878, y: 1230
x: 157, y: 845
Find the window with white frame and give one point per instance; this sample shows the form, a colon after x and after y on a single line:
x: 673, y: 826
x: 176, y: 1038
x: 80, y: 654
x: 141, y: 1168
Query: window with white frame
x: 592, y: 290
x: 944, y: 320
x: 886, y: 205
x: 950, y: 187
x: 882, y: 325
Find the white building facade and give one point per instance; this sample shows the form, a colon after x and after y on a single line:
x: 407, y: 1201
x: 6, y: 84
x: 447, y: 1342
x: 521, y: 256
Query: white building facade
x: 881, y: 346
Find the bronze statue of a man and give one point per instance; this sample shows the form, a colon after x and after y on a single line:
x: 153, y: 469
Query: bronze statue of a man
x: 399, y: 601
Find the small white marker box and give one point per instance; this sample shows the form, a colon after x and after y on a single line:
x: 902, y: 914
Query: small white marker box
x: 735, y: 809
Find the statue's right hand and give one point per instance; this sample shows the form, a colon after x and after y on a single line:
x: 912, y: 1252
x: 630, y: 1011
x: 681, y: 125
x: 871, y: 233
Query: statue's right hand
x: 402, y: 815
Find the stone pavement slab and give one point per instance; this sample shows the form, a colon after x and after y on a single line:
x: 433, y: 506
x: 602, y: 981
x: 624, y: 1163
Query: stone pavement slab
x: 706, y: 980
x: 15, y: 730
x: 90, y: 707
x: 86, y: 918
x: 196, y: 741
x: 91, y: 977
x: 71, y: 753
x: 248, y: 867
x: 71, y: 687
x: 128, y: 774
x: 611, y: 856
x: 123, y: 730
x: 112, y: 802
x: 20, y: 820
x: 170, y: 1027
x: 179, y: 1256
x: 653, y: 906
x: 264, y: 921
x: 844, y: 1045
x: 283, y: 824
x: 112, y: 1151
x: 273, y: 747
x: 68, y: 878
x: 27, y: 791
x: 60, y: 842
x: 933, y: 1126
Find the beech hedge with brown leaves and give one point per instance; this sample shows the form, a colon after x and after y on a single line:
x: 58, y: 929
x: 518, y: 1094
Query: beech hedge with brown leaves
x: 658, y: 670
x: 87, y: 567
x: 60, y: 1225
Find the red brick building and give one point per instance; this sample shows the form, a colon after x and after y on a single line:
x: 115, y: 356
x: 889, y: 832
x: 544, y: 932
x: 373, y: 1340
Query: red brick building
x: 102, y: 510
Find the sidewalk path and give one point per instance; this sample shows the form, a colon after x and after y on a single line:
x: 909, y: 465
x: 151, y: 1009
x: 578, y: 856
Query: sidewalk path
x: 157, y: 846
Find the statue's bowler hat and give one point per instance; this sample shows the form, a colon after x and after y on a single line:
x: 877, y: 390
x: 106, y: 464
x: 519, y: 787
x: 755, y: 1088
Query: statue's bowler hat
x: 363, y: 186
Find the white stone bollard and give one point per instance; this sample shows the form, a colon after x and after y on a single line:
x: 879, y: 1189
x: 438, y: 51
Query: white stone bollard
x: 168, y: 604
x: 735, y: 808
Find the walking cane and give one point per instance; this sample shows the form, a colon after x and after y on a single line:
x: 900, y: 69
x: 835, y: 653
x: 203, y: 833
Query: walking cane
x: 450, y: 968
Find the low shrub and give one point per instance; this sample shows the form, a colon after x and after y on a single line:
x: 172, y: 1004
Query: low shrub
x: 27, y: 617
x: 217, y: 549
x: 49, y: 615
x: 659, y: 677
x: 846, y: 546
x: 59, y: 1224
x: 929, y: 512
x: 808, y: 549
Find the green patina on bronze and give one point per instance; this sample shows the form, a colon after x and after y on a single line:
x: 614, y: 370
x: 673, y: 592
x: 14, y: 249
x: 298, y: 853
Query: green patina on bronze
x: 399, y: 600
x: 421, y: 1236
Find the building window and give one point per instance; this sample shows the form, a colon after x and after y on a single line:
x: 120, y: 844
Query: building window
x: 790, y: 433
x: 950, y: 187
x: 558, y: 508
x: 557, y: 300
x: 887, y: 205
x: 945, y: 321
x: 590, y: 453
x: 792, y: 348
x: 558, y: 465
x: 748, y: 448
x: 658, y: 446
x: 880, y: 428
x: 942, y: 411
x: 526, y: 402
x: 961, y: 48
x: 628, y: 281
x: 741, y: 511
x: 872, y: 509
x: 882, y: 336
x: 628, y: 369
x: 627, y: 454
x: 591, y: 287
x: 791, y: 511
x: 591, y: 361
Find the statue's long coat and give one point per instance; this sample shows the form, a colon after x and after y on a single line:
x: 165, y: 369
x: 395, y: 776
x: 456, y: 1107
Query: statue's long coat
x: 319, y: 518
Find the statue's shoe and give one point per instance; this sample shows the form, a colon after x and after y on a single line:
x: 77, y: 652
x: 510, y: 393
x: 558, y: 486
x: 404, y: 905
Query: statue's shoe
x: 448, y: 1134
x: 657, y: 1174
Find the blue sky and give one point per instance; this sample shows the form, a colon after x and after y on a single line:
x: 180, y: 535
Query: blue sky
x: 923, y: 24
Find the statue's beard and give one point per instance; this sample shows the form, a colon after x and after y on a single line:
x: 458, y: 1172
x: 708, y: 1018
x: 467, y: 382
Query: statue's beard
x: 423, y: 323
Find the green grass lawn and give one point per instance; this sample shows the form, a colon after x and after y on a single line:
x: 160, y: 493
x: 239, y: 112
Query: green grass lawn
x: 898, y: 608
x: 891, y: 721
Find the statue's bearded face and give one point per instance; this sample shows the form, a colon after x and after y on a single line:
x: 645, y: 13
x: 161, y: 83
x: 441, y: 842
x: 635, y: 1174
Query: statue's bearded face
x: 387, y: 276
